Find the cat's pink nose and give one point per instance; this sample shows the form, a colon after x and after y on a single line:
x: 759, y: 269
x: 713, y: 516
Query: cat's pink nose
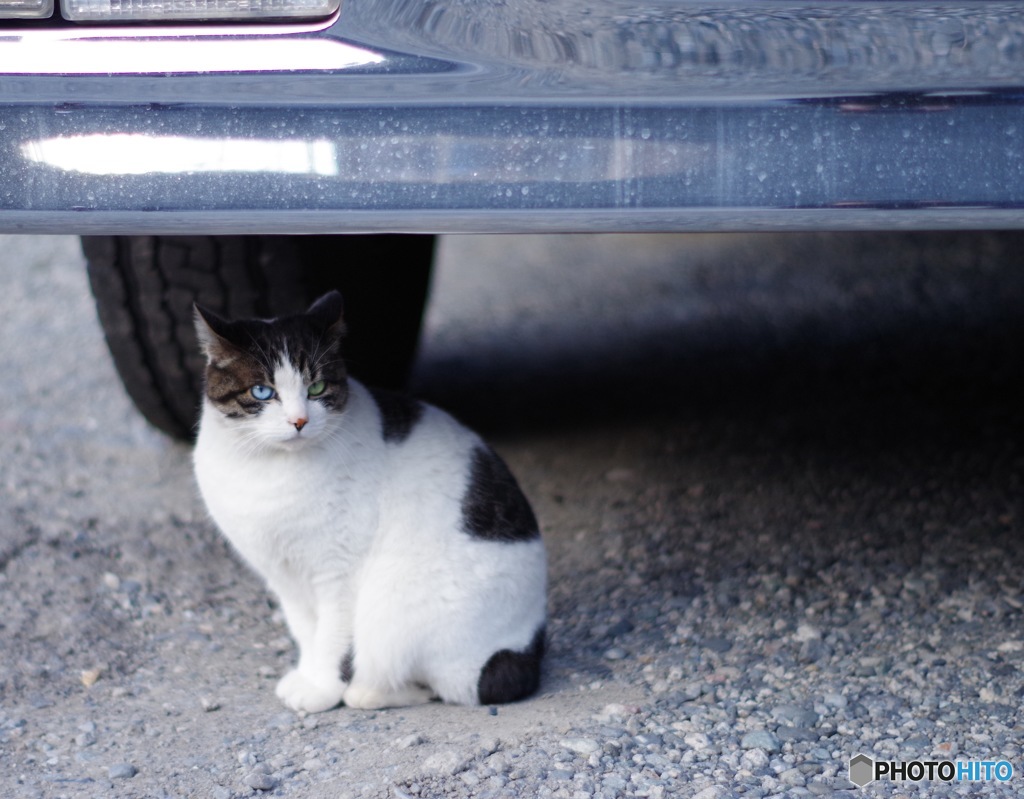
x: 300, y: 423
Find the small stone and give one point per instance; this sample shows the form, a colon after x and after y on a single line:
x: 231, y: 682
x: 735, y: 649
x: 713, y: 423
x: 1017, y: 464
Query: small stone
x: 209, y: 705
x: 111, y: 581
x: 410, y: 741
x: 787, y: 733
x: 835, y: 700
x: 122, y: 771
x: 793, y: 778
x: 447, y: 763
x: 919, y: 741
x: 313, y: 764
x: 806, y: 633
x: 690, y: 691
x: 560, y: 774
x: 795, y: 715
x: 91, y: 676
x: 619, y: 628
x: 261, y: 781
x: 85, y: 739
x: 718, y: 645
x: 581, y: 746
x: 615, y: 710
x: 220, y: 792
x: 615, y: 653
x: 697, y: 741
x: 755, y: 760
x: 760, y: 739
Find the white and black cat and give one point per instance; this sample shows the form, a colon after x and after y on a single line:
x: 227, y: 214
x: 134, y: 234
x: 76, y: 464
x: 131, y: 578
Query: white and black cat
x: 406, y: 559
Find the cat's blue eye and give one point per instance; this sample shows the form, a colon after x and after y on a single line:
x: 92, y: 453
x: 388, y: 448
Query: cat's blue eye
x: 262, y: 393
x: 317, y: 388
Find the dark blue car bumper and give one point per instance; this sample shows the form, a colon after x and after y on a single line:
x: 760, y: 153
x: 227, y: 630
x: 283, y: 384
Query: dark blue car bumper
x: 472, y: 115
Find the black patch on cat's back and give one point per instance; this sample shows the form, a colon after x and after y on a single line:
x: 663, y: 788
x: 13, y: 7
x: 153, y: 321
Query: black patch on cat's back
x: 509, y: 676
x: 494, y: 507
x: 398, y: 414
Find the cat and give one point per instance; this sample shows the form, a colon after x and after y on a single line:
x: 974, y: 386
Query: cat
x: 407, y: 562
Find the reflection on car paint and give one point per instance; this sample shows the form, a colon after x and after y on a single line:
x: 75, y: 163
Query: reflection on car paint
x: 518, y: 115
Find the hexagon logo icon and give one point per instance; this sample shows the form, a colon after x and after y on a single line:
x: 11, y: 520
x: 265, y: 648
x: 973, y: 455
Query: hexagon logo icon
x: 862, y: 770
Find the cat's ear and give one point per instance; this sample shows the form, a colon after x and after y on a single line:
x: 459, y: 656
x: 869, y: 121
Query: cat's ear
x: 214, y: 334
x: 327, y: 314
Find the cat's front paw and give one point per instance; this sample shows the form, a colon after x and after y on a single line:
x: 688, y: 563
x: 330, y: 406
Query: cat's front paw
x: 302, y: 694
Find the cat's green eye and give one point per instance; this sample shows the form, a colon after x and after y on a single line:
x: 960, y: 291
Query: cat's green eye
x: 317, y: 388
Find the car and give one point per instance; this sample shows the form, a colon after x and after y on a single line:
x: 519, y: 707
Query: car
x: 253, y: 154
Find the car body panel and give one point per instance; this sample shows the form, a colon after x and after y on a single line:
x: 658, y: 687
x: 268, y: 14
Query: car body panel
x: 460, y: 116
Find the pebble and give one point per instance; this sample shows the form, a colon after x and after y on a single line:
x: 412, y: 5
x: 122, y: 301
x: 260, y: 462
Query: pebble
x: 697, y: 740
x: 761, y: 739
x: 787, y: 733
x: 795, y: 715
x: 447, y: 763
x: 581, y: 746
x: 711, y: 792
x: 835, y: 700
x: 651, y: 739
x: 261, y: 781
x: 614, y: 711
x: 755, y: 760
x: 84, y: 739
x: 122, y: 771
x: 793, y: 778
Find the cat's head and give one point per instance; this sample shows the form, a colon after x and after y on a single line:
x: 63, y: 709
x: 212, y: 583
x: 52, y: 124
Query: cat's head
x: 278, y: 383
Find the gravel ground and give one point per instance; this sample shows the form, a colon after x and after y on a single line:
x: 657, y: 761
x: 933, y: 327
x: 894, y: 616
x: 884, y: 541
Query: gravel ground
x: 782, y: 503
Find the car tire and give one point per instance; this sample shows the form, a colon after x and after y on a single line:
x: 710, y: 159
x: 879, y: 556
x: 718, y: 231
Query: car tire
x: 144, y: 287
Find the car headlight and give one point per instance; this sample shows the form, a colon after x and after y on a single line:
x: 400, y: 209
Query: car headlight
x: 18, y: 9
x: 171, y: 10
x: 158, y: 10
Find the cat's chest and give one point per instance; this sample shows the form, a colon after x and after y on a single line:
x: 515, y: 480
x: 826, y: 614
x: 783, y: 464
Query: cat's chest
x: 296, y: 507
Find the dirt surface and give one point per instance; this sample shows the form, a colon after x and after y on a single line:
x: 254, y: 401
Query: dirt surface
x: 779, y: 478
